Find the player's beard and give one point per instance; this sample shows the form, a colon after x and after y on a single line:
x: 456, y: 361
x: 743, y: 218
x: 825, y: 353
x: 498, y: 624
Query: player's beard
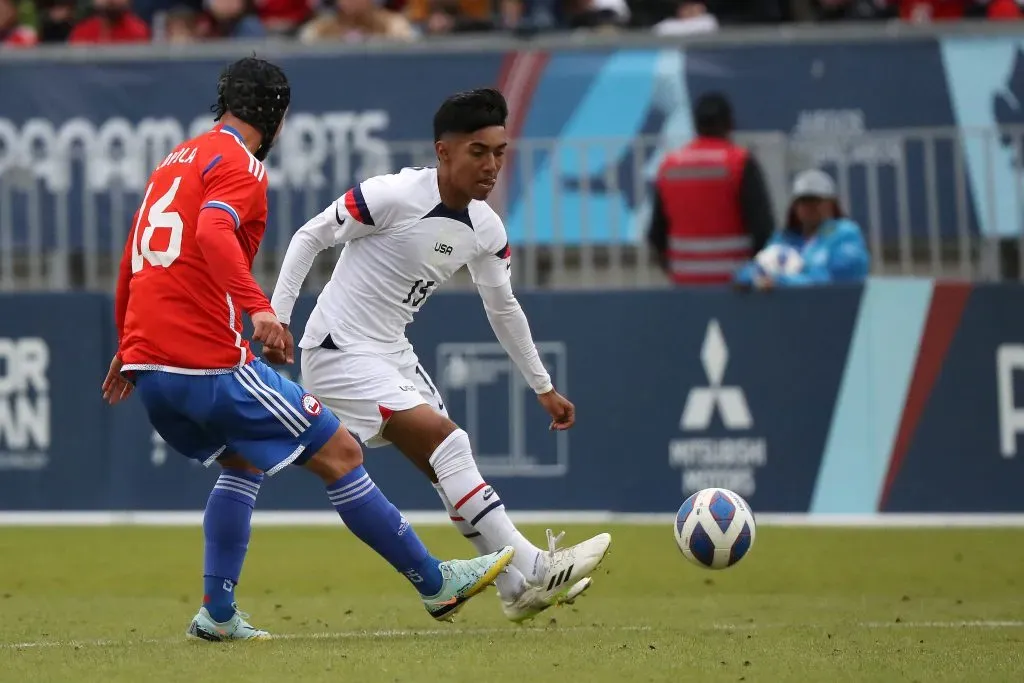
x: 263, y: 150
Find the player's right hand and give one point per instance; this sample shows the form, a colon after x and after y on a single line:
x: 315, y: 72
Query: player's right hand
x: 268, y: 330
x: 561, y: 410
x: 285, y: 356
x: 115, y: 387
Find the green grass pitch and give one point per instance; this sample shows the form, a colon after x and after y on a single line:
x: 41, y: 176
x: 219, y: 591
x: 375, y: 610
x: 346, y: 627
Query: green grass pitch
x: 806, y: 605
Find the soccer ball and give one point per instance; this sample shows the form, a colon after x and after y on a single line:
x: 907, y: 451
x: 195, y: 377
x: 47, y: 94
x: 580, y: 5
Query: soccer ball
x: 780, y: 259
x: 714, y: 528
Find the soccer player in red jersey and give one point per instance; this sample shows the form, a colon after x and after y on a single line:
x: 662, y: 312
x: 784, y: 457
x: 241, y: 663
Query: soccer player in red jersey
x: 185, y: 282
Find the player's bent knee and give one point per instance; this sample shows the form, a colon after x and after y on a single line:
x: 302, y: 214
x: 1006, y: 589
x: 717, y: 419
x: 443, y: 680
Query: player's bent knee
x: 441, y: 430
x: 418, y: 432
x: 339, y: 456
x: 452, y: 455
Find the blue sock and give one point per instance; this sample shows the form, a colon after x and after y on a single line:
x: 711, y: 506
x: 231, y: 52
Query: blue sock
x: 380, y: 525
x: 226, y: 526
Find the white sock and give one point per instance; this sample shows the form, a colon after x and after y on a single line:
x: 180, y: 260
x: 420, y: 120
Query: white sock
x: 479, y: 505
x: 510, y: 583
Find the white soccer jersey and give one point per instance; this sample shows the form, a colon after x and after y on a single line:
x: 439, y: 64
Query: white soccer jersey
x: 402, y: 243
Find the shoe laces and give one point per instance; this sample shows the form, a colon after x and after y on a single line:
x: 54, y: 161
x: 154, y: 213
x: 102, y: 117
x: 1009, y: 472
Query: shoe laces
x: 553, y: 541
x: 462, y: 570
x: 244, y: 615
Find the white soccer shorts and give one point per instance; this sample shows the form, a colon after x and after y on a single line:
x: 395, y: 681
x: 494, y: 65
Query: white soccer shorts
x: 363, y: 389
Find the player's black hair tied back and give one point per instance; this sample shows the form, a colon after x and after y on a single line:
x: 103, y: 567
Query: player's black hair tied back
x: 258, y: 93
x: 470, y: 111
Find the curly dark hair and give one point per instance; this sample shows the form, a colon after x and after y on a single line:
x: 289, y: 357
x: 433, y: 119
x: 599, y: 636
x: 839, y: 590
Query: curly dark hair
x: 258, y: 93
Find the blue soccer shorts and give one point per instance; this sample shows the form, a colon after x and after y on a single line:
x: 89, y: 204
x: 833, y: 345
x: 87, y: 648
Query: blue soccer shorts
x: 253, y: 411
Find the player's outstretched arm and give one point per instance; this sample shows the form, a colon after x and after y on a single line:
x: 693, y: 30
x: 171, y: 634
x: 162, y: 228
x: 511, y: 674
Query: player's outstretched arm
x: 316, y: 235
x: 512, y: 329
x: 344, y: 220
x: 492, y: 273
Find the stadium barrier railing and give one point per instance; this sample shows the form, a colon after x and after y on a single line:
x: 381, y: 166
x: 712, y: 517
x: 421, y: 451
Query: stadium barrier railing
x: 909, y: 189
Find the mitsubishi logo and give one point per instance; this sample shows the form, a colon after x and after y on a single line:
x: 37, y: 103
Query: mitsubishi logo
x: 702, y: 402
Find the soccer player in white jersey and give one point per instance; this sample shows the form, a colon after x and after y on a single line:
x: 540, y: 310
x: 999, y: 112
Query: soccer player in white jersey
x: 405, y: 235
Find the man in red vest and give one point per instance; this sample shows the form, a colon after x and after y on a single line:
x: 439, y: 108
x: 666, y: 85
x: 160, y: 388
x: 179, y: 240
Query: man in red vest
x: 712, y: 211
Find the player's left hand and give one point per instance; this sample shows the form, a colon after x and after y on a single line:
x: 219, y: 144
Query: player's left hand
x: 763, y: 282
x: 561, y: 410
x: 115, y: 387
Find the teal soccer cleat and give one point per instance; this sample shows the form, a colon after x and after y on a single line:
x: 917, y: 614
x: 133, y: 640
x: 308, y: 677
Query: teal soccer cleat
x: 463, y: 579
x: 236, y: 628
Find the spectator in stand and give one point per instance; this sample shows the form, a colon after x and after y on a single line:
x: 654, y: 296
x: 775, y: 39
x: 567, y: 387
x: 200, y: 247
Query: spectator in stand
x: 924, y: 11
x: 723, y: 12
x: 154, y: 12
x: 1008, y: 10
x: 596, y: 13
x: 354, y: 20
x: 690, y: 18
x: 56, y: 20
x: 729, y: 12
x: 112, y: 21
x: 531, y: 15
x: 855, y: 10
x: 828, y: 247
x: 230, y: 19
x: 712, y: 210
x: 181, y: 25
x: 285, y: 17
x: 451, y: 16
x: 12, y: 32
x: 436, y: 17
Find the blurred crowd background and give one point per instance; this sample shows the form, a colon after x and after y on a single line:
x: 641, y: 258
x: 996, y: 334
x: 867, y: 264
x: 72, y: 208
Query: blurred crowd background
x: 27, y: 23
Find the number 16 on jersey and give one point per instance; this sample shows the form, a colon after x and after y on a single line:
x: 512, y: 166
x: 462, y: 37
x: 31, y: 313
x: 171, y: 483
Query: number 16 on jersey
x: 156, y: 217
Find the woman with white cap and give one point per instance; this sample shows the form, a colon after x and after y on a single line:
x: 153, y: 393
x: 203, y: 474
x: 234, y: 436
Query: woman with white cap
x: 818, y: 244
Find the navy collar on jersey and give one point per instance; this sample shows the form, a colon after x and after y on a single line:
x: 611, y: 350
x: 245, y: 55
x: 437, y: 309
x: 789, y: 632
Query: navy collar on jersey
x: 442, y: 211
x: 232, y: 131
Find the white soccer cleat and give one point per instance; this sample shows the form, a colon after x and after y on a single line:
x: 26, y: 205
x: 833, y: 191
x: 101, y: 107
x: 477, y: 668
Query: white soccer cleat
x: 532, y: 602
x: 566, y: 566
x: 236, y: 628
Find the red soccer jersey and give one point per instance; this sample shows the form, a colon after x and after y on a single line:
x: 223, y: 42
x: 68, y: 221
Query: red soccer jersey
x: 128, y: 29
x: 186, y: 275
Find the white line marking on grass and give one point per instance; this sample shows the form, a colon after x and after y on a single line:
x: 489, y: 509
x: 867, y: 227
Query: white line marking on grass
x: 340, y: 635
x: 942, y: 624
x: 398, y: 634
x: 753, y: 626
